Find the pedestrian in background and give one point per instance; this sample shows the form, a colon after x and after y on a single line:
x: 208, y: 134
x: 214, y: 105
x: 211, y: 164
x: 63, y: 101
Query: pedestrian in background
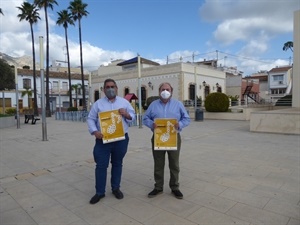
x: 113, y: 151
x: 166, y: 107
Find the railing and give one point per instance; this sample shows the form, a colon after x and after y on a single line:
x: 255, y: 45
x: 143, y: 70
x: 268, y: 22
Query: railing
x: 77, y: 116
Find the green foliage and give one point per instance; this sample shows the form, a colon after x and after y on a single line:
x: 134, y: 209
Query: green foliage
x: 284, y: 101
x: 149, y: 101
x: 11, y: 111
x: 288, y: 45
x: 217, y: 102
x: 26, y: 67
x: 234, y: 98
x: 4, y: 115
x: 72, y: 109
x: 7, y: 76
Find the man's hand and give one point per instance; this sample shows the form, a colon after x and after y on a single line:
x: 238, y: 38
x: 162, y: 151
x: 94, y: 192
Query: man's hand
x: 176, y: 125
x: 154, y: 125
x: 98, y: 134
x: 124, y: 113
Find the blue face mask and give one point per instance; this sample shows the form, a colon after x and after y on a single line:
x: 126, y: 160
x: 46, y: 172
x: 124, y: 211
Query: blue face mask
x: 110, y: 93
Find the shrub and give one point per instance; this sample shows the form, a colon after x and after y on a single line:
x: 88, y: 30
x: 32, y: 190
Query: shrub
x: 72, y: 109
x: 284, y: 101
x: 149, y: 101
x: 217, y: 102
x: 11, y: 111
x: 26, y: 67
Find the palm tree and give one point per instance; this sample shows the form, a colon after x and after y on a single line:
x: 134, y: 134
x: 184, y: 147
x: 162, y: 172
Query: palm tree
x: 27, y: 92
x: 78, y: 10
x: 46, y: 4
x: 30, y: 13
x: 65, y: 18
x: 76, y: 87
x: 288, y: 45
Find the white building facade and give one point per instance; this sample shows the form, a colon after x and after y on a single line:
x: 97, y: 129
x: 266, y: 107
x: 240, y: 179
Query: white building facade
x: 189, y: 80
x: 58, y: 91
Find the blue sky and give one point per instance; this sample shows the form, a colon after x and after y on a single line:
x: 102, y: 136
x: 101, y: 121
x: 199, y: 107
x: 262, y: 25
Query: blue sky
x: 248, y: 34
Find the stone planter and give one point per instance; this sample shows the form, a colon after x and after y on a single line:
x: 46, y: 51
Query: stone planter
x: 8, y: 121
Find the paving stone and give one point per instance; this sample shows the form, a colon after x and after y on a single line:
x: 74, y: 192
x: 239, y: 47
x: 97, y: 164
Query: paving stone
x: 256, y: 216
x: 283, y: 208
x: 16, y: 217
x: 205, y: 216
x: 56, y: 214
x: 24, y: 176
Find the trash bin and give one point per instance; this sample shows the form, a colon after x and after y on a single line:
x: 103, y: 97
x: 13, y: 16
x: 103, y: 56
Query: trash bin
x: 199, y: 115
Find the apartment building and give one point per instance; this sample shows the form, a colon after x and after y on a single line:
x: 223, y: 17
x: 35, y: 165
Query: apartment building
x: 58, y: 90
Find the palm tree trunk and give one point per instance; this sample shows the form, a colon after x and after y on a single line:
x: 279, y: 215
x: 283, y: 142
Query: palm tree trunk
x: 48, y: 112
x: 81, y: 63
x: 35, y: 107
x: 69, y: 69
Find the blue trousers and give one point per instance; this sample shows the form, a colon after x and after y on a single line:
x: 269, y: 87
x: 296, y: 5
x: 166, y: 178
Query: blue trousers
x: 115, y: 151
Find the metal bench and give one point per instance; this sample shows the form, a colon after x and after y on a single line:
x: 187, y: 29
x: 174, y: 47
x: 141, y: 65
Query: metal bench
x: 31, y: 117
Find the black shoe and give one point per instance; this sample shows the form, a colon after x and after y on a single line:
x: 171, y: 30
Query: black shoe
x: 154, y: 193
x: 118, y: 194
x: 177, y: 194
x: 96, y: 198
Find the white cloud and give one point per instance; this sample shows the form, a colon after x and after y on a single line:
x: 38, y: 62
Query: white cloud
x: 245, y: 20
x: 242, y: 27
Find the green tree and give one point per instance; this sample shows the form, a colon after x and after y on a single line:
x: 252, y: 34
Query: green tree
x: 78, y: 10
x: 7, y: 79
x: 65, y: 18
x: 27, y: 92
x: 76, y: 87
x: 7, y: 76
x: 46, y: 4
x: 30, y: 13
x: 288, y: 45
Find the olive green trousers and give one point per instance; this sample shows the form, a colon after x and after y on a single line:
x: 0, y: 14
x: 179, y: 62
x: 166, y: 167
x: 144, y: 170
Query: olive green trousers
x: 159, y: 165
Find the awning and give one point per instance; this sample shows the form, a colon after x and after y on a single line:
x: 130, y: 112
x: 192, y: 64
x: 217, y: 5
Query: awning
x: 130, y: 96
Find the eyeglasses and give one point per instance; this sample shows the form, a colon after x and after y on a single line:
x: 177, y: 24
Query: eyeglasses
x: 109, y: 87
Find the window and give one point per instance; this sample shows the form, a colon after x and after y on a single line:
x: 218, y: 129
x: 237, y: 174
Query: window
x: 65, y: 86
x: 278, y: 77
x: 7, y: 102
x: 126, y: 91
x: 143, y: 92
x: 192, y: 91
x: 96, y: 95
x: 206, y: 91
x: 26, y: 83
x: 55, y: 86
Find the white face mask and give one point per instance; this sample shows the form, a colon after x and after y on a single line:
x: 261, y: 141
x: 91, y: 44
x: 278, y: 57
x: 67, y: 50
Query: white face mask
x: 165, y: 94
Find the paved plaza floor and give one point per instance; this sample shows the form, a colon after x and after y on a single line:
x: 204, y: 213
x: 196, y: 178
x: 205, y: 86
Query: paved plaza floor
x: 229, y: 176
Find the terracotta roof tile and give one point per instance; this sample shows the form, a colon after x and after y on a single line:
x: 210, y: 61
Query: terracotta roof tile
x: 52, y: 74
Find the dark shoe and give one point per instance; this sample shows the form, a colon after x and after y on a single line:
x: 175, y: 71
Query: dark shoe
x: 177, y: 194
x: 118, y: 194
x: 96, y: 198
x: 154, y: 193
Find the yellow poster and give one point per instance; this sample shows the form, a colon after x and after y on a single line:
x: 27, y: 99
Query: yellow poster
x: 111, y: 124
x: 165, y: 134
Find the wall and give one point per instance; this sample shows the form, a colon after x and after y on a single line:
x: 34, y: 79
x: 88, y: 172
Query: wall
x: 180, y: 75
x: 296, y: 65
x: 8, y: 121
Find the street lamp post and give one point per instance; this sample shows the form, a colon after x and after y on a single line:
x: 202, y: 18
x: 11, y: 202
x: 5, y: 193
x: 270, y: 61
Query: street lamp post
x: 17, y: 98
x: 140, y: 92
x: 59, y: 99
x: 44, y: 124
